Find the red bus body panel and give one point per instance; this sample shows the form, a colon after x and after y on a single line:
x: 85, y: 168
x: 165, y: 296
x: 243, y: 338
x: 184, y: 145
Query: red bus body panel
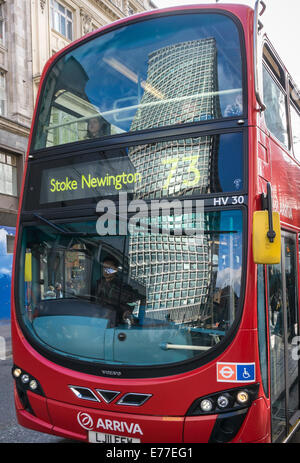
x: 163, y: 418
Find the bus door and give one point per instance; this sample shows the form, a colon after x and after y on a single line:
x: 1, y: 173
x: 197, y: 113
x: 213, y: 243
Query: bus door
x: 283, y: 330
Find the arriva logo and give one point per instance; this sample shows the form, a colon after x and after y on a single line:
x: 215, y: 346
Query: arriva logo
x: 86, y: 422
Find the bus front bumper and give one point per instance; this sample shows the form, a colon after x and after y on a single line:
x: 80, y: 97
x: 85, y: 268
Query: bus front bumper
x: 91, y: 425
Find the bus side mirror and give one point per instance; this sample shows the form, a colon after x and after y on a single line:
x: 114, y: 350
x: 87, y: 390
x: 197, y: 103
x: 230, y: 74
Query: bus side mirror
x: 266, y: 251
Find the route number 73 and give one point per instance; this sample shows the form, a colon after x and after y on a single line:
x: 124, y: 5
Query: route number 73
x: 192, y: 160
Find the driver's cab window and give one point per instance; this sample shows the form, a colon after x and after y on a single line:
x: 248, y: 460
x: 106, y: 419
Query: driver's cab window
x: 59, y: 275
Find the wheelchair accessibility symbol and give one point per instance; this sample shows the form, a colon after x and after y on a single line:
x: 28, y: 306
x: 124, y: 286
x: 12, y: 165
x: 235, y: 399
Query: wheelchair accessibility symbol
x: 246, y: 374
x: 235, y: 372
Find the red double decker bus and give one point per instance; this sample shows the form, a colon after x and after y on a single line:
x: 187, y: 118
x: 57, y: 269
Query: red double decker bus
x: 155, y: 295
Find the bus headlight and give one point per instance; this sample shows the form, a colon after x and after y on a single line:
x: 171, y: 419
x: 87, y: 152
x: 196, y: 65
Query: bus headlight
x: 26, y: 382
x: 17, y: 372
x: 206, y: 405
x: 242, y: 397
x: 33, y: 384
x: 25, y: 378
x: 224, y: 401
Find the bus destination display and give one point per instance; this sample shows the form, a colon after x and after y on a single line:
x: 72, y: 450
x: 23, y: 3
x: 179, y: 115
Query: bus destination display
x: 83, y: 180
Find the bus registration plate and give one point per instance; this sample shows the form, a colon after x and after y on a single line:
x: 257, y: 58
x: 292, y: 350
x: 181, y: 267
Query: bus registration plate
x: 101, y: 438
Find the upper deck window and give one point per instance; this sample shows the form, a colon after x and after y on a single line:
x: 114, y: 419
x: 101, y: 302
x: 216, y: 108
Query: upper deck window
x: 274, y: 65
x: 275, y: 97
x: 295, y: 119
x: 159, y: 72
x: 276, y: 110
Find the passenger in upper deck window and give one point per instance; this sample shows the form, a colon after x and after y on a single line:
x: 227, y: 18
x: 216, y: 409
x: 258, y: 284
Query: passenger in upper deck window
x: 235, y: 109
x: 97, y: 127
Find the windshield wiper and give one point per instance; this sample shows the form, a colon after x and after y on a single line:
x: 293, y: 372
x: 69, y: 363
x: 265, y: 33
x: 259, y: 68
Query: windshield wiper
x: 166, y: 346
x: 62, y: 230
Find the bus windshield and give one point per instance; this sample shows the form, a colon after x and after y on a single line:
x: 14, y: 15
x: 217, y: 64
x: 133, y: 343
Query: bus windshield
x: 158, y: 72
x: 147, y: 297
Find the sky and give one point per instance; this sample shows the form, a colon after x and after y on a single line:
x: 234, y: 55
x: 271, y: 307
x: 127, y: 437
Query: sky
x: 281, y: 23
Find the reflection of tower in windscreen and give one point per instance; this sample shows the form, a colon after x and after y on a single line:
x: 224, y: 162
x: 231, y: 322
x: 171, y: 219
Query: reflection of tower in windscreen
x: 181, y: 87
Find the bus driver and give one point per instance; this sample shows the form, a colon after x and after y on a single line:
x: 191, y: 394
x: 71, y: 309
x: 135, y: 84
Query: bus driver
x: 112, y: 292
